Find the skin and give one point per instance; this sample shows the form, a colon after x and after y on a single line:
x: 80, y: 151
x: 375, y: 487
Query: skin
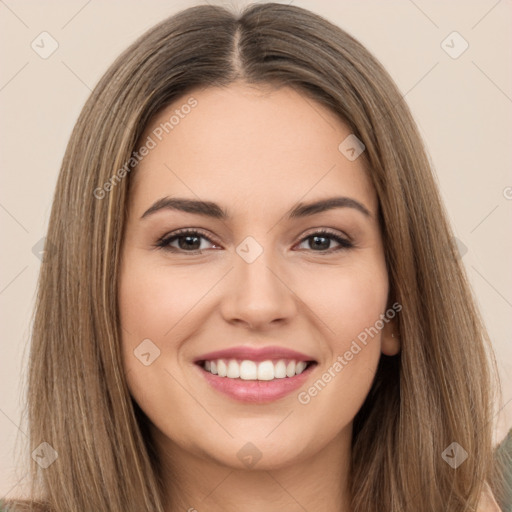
x: 256, y: 152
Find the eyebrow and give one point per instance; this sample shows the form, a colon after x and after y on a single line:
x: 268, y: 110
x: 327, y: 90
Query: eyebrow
x: 213, y: 210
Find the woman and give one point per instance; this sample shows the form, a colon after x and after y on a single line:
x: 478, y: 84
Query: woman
x: 250, y: 298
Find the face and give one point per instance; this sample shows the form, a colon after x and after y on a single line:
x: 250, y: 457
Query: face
x: 260, y: 292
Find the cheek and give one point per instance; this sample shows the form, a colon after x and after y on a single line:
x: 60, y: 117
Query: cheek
x: 348, y: 300
x: 150, y: 306
x: 155, y: 299
x: 350, y: 305
x: 153, y: 303
x: 331, y: 400
x: 156, y: 307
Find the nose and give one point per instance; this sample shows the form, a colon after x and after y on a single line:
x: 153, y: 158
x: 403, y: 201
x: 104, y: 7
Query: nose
x: 257, y: 294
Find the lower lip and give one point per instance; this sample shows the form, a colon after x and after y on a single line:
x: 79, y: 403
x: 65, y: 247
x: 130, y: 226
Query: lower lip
x: 256, y: 391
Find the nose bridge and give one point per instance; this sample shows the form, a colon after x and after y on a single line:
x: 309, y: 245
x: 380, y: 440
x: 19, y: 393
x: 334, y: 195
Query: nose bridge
x: 257, y: 293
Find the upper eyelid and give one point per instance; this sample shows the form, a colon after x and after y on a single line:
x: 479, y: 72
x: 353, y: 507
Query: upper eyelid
x: 185, y: 231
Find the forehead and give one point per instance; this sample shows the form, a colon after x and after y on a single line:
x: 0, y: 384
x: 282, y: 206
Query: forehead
x: 251, y: 147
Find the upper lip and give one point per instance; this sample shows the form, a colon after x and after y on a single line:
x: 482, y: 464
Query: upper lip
x: 254, y: 354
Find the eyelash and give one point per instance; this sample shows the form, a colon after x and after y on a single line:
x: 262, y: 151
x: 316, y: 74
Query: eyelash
x: 164, y: 242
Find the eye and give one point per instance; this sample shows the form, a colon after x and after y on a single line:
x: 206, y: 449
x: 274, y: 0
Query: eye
x: 187, y: 241
x: 322, y: 239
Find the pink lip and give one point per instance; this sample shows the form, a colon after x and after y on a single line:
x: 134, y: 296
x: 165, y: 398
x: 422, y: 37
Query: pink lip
x: 255, y: 354
x: 256, y: 391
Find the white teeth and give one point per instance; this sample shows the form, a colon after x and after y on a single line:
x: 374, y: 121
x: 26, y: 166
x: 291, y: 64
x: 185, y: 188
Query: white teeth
x: 222, y: 369
x: 248, y: 370
x: 299, y: 368
x: 251, y: 370
x: 266, y: 370
x: 233, y: 370
x: 280, y: 370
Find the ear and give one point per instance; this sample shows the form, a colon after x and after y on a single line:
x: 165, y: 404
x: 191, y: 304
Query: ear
x: 390, y: 339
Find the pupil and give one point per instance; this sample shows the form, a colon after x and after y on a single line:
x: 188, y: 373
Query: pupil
x: 189, y: 245
x: 325, y: 245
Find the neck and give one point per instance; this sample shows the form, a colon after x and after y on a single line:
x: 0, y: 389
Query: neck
x: 196, y: 483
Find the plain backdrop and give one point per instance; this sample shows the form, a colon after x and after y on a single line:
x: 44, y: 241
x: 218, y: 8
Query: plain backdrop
x: 461, y: 101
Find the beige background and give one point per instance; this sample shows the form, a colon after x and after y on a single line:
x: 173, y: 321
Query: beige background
x: 463, y: 107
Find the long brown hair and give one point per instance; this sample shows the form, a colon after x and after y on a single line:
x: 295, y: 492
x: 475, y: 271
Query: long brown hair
x: 438, y: 390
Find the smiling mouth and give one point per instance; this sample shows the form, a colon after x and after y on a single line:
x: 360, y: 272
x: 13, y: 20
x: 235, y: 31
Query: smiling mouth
x: 248, y: 370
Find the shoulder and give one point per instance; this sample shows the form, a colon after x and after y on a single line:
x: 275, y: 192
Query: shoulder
x: 487, y: 502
